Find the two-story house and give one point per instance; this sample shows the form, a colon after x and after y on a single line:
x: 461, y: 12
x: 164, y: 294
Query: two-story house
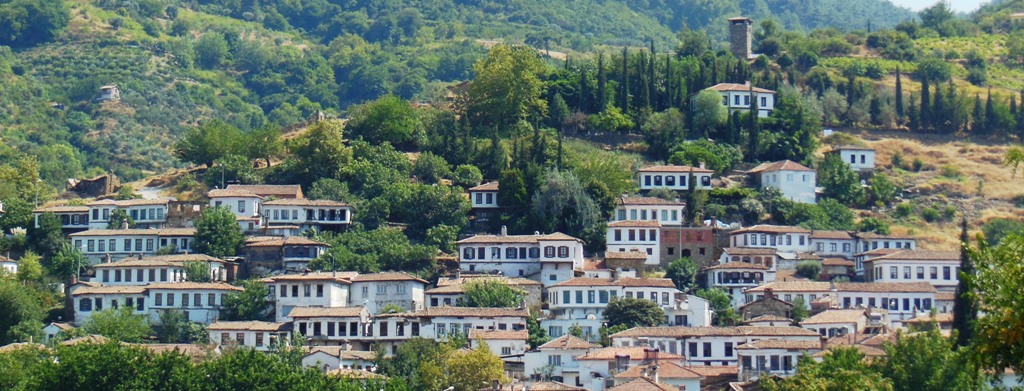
x: 581, y: 302
x: 378, y: 290
x: 322, y: 289
x: 742, y: 268
x: 557, y: 359
x: 243, y: 203
x: 319, y: 215
x: 200, y: 301
x: 98, y: 244
x: 902, y: 300
x: 548, y: 258
x: 144, y: 213
x: 667, y: 212
x: 292, y: 253
x: 636, y: 235
x: 707, y: 345
x: 737, y: 97
x: 599, y: 366
x: 676, y: 178
x: 939, y: 268
x: 156, y: 268
x: 793, y: 180
x: 330, y: 326
x: 483, y: 201
x: 774, y: 357
x: 860, y: 159
x: 73, y: 218
x: 259, y: 335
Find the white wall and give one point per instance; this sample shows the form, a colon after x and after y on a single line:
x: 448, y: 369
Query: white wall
x: 794, y: 185
x: 483, y: 199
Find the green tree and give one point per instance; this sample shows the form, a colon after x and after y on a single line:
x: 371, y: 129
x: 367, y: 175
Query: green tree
x: 609, y: 120
x: 721, y: 306
x: 264, y: 143
x: 218, y: 233
x: 119, y: 324
x: 881, y: 189
x: 708, y: 113
x: 430, y: 168
x: 995, y: 230
x: 968, y: 289
x: 492, y: 294
x: 419, y: 362
x: 808, y: 269
x: 663, y: 131
x: 839, y: 181
x: 320, y: 153
x: 562, y: 205
x: 841, y: 369
x: 173, y: 326
x: 17, y: 306
x: 208, y: 142
x: 211, y: 50
x: 800, y: 311
x: 197, y: 271
x: 683, y: 273
x: 871, y: 224
x: 48, y: 238
x: 537, y: 334
x: 25, y: 23
x: 119, y: 218
x: 507, y: 87
x: 467, y: 370
x: 633, y: 313
x: 467, y: 175
x: 29, y: 268
x: 576, y: 331
x: 1014, y: 158
x: 252, y: 303
x: 927, y: 362
x: 715, y: 156
x: 386, y: 119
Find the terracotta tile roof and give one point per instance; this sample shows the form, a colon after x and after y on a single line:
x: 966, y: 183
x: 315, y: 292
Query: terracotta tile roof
x: 793, y: 286
x: 461, y: 287
x: 666, y: 370
x: 832, y: 235
x: 250, y: 325
x: 305, y: 202
x: 516, y: 238
x: 635, y: 223
x: 387, y: 276
x: 875, y: 340
x: 341, y: 277
x: 837, y: 262
x: 849, y: 147
x: 867, y: 351
x: 626, y: 255
x: 92, y: 338
x: 686, y: 332
x: 642, y: 384
x: 878, y: 252
x: 488, y: 335
x: 137, y: 232
x: 737, y: 265
x: 111, y: 290
x: 218, y: 286
x: 21, y: 345
x: 835, y: 316
x: 233, y: 193
x: 945, y: 296
x: 624, y: 200
x: 941, y: 317
x: 318, y: 312
x: 919, y: 255
x: 473, y: 312
x: 872, y: 235
x: 770, y: 318
x: 674, y: 168
x: 623, y: 282
x: 159, y: 260
x: 7, y: 260
x: 545, y: 386
x: 63, y: 209
x: 127, y: 203
x: 62, y: 326
x: 749, y: 251
x: 597, y: 264
x: 787, y: 344
x: 714, y: 370
x: 178, y: 258
x: 489, y: 186
x: 568, y: 341
x: 634, y: 353
x: 279, y: 191
x: 775, y: 229
x: 801, y: 256
x: 341, y: 352
x: 722, y: 87
x: 280, y: 242
x: 191, y: 350
x: 782, y: 165
x: 465, y: 278
x: 886, y: 287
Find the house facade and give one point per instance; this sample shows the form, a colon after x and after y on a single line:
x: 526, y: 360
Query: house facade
x: 938, y: 268
x: 860, y: 159
x: 738, y: 97
x: 795, y: 181
x: 99, y: 244
x: 557, y: 359
x: 319, y: 215
x: 711, y: 346
x: 258, y: 335
x: 666, y: 212
x: 677, y: 178
x: 549, y: 258
x: 73, y: 218
x: 636, y: 235
x: 902, y: 300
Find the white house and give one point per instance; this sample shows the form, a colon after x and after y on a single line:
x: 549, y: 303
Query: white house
x: 870, y: 245
x: 549, y: 258
x: 54, y: 329
x: 707, y: 345
x: 157, y: 268
x: 484, y: 196
x: 939, y: 268
x: 581, y: 301
x: 440, y: 322
x: 636, y: 235
x: 200, y: 301
x: 324, y: 289
x: 557, y: 359
x: 89, y: 299
x: 378, y: 290
x: 861, y: 159
x: 774, y: 357
x: 833, y: 322
x: 675, y: 376
x: 450, y: 290
x: 781, y: 238
x: 145, y: 213
x: 510, y: 345
x: 73, y: 218
x: 668, y: 213
x: 258, y: 335
x: 272, y: 191
x: 599, y: 366
x: 8, y: 265
x: 109, y: 93
x: 97, y: 244
x: 902, y: 299
x: 330, y: 325
x: 674, y: 178
x: 742, y: 268
x: 737, y: 97
x: 338, y: 357
x: 320, y: 215
x: 243, y: 203
x: 292, y: 253
x: 795, y: 181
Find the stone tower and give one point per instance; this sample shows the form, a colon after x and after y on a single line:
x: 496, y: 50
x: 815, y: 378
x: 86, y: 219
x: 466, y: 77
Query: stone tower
x: 740, y: 37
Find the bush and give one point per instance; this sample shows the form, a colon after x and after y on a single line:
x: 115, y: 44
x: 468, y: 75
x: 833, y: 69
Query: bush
x: 947, y: 171
x: 897, y: 160
x: 930, y: 214
x: 918, y: 164
x: 904, y: 210
x: 949, y: 212
x: 996, y: 229
x: 467, y: 175
x: 808, y: 269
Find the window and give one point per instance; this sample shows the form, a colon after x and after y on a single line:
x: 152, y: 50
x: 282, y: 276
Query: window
x: 707, y: 349
x: 565, y: 297
x: 846, y: 247
x: 400, y: 289
x: 495, y: 252
x: 602, y: 297
x: 632, y: 214
x: 728, y: 349
x: 241, y: 206
x: 382, y: 289
x: 479, y: 198
x: 211, y: 299
x: 284, y: 291
x: 832, y: 247
x: 591, y: 297
x: 671, y: 251
x: 506, y: 350
x: 920, y: 272
x: 736, y: 100
x: 555, y: 360
x: 170, y: 300
x: 467, y: 253
x: 906, y: 272
x: 184, y: 300
x: 945, y: 272
x: 618, y: 235
x: 549, y: 251
x: 85, y: 305
x: 383, y: 329
x: 934, y: 272
x: 197, y: 299
x: 664, y: 298
x: 893, y: 272
x: 863, y: 159
x: 295, y: 291
x: 319, y: 290
x: 579, y: 297
x: 692, y: 349
x: 149, y: 245
x: 306, y: 290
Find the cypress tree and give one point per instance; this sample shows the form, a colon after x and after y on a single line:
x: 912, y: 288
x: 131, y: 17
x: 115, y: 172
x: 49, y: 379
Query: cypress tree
x: 899, y: 95
x: 926, y: 104
x: 990, y: 113
x: 913, y: 117
x: 582, y: 104
x: 602, y: 83
x: 652, y: 85
x: 965, y: 309
x: 624, y: 88
x: 736, y: 134
x: 953, y: 108
x: 645, y: 86
x: 875, y: 109
x: 978, y: 126
x: 1013, y: 105
x: 939, y: 114
x: 666, y: 99
x: 1020, y: 117
x: 753, y: 107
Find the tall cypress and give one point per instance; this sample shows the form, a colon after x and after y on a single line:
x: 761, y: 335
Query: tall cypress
x: 913, y: 116
x: 978, y: 115
x: 666, y: 100
x: 899, y: 95
x: 1020, y: 117
x: 965, y: 308
x: 624, y: 88
x: 926, y: 104
x: 583, y: 103
x: 645, y: 86
x: 937, y: 109
x: 602, y: 83
x: 953, y: 105
x: 652, y: 85
x: 990, y: 113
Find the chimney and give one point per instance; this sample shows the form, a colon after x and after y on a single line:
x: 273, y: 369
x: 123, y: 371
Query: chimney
x: 824, y: 342
x: 504, y: 231
x: 654, y: 373
x: 701, y: 165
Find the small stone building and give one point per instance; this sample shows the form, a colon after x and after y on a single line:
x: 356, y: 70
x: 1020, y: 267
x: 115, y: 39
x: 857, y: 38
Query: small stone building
x: 767, y: 305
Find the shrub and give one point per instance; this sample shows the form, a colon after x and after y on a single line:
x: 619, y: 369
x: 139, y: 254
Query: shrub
x: 808, y: 269
x: 930, y: 214
x: 918, y: 164
x: 904, y: 209
x: 947, y: 171
x: 897, y: 160
x: 949, y: 212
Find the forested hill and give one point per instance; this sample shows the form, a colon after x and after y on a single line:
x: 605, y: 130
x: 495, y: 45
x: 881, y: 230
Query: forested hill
x: 276, y: 62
